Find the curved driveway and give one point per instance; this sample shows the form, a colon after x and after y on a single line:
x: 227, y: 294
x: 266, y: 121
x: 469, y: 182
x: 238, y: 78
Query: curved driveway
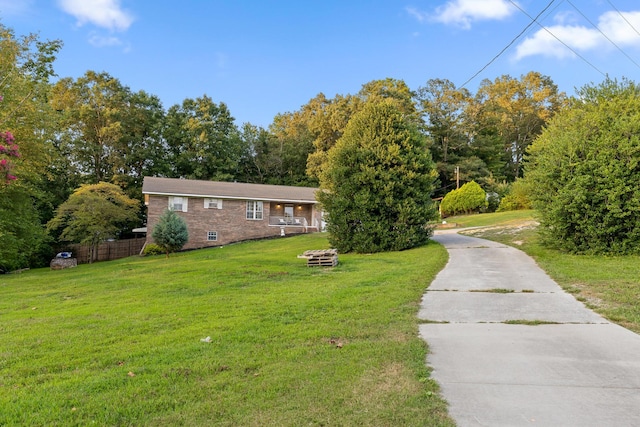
x: 533, y: 356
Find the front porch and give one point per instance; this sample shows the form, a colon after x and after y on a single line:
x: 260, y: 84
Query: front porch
x: 289, y: 221
x: 298, y: 218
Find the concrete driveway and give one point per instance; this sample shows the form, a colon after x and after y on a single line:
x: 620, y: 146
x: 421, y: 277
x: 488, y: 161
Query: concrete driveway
x: 572, y: 369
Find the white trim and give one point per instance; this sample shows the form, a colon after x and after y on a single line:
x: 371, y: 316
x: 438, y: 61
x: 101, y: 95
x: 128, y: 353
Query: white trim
x: 184, y: 201
x: 209, y: 200
x: 257, y: 208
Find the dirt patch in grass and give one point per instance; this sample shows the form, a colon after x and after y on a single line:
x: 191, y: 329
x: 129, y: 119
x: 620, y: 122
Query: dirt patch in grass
x: 587, y: 295
x: 515, y: 233
x: 376, y: 388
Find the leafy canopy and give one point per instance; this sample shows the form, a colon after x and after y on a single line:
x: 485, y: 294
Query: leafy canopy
x: 170, y: 233
x: 376, y: 188
x: 26, y: 120
x: 584, y: 172
x: 93, y: 213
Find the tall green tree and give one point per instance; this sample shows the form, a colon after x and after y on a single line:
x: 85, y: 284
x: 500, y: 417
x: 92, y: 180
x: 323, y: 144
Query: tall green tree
x: 94, y: 213
x: 327, y: 118
x: 394, y: 91
x: 508, y: 115
x: 291, y: 144
x: 583, y: 171
x: 376, y: 187
x: 203, y: 140
x: 255, y: 161
x: 141, y: 150
x: 109, y: 133
x: 444, y: 108
x: 28, y: 126
x: 92, y: 107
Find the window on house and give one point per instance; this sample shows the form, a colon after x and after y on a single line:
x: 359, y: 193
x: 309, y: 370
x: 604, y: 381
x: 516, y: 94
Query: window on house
x: 212, y: 236
x: 178, y: 204
x: 213, y: 203
x: 254, y: 209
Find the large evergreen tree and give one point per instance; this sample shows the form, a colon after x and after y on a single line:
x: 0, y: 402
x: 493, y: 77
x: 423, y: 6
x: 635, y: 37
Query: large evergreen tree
x: 376, y: 187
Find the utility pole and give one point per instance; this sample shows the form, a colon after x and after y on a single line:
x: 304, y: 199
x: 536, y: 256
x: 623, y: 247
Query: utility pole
x: 457, y: 177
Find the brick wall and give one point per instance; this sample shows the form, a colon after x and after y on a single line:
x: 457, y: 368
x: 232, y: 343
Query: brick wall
x: 230, y: 222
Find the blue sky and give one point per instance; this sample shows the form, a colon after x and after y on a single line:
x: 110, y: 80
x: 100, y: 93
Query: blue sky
x: 262, y: 58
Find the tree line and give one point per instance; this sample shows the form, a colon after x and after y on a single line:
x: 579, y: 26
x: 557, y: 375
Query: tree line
x: 73, y: 132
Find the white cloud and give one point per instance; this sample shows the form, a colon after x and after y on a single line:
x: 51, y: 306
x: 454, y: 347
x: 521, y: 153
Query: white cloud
x: 102, y: 41
x: 97, y: 40
x: 102, y: 13
x: 581, y: 38
x: 464, y: 12
x: 420, y: 16
x: 543, y: 43
x: 618, y: 29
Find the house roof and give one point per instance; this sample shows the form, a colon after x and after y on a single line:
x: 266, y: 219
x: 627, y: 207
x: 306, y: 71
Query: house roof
x: 227, y: 190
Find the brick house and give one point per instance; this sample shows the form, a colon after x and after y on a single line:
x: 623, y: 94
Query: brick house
x: 218, y: 213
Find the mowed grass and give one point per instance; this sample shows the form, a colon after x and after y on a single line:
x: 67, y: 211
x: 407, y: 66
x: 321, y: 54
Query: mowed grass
x: 610, y: 285
x: 120, y: 343
x: 504, y: 219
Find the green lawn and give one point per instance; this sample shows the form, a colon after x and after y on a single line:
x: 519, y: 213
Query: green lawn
x: 490, y: 219
x: 610, y: 285
x: 119, y: 343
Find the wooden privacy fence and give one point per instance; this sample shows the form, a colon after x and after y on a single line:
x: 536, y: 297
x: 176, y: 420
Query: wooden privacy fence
x: 107, y: 251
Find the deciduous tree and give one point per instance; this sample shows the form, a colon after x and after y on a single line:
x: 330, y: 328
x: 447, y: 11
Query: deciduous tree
x: 290, y: 146
x: 94, y: 213
x: 204, y: 143
x: 509, y: 114
x: 27, y: 125
x: 93, y: 107
x: 445, y: 109
x: 141, y: 149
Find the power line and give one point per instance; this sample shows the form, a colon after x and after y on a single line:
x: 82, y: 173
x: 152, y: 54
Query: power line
x: 605, y: 36
x: 510, y: 43
x: 623, y: 17
x: 556, y: 37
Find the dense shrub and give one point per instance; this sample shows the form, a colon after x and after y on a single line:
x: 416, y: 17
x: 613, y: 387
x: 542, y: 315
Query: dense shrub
x: 377, y: 184
x: 152, y: 249
x: 170, y: 233
x: 517, y: 198
x: 584, y: 172
x: 467, y: 199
